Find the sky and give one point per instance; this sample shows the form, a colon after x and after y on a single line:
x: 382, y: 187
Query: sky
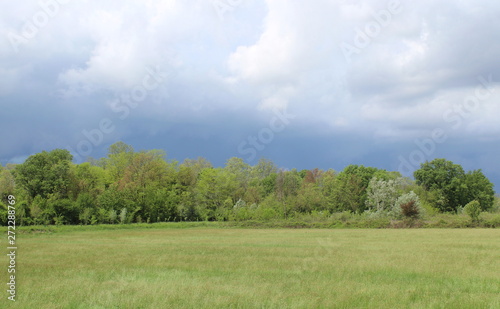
x: 306, y: 84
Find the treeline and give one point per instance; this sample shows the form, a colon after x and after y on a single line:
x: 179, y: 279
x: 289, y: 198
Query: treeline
x: 129, y: 186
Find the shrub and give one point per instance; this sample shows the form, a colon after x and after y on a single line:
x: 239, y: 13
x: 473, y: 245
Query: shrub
x: 473, y: 209
x: 86, y: 216
x: 407, y: 205
x: 112, y: 216
x: 381, y: 194
x: 410, y: 209
x: 123, y: 215
x: 496, y: 206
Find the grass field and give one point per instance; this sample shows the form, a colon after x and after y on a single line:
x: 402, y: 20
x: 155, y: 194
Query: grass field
x: 258, y: 268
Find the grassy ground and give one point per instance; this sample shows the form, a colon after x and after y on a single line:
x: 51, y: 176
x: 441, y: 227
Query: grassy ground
x: 207, y: 267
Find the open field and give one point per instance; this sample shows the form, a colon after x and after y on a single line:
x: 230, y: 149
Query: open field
x: 258, y: 268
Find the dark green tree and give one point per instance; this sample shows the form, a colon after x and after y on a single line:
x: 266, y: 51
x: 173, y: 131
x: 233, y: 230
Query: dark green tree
x: 452, y: 187
x: 350, y: 187
x: 479, y: 188
x: 45, y: 173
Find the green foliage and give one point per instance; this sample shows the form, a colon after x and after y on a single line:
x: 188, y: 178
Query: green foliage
x: 112, y: 198
x: 123, y: 215
x: 3, y: 214
x: 263, y: 169
x: 45, y: 173
x: 350, y: 192
x: 444, y: 178
x: 187, y: 209
x: 131, y: 186
x: 7, y: 184
x: 112, y: 216
x: 309, y: 198
x: 479, y: 188
x: 62, y: 210
x: 473, y: 209
x: 496, y: 205
x: 382, y: 194
x: 407, y: 206
x: 160, y: 205
x: 120, y: 156
x: 451, y: 187
x: 268, y: 183
x: 89, y: 179
x: 214, y: 187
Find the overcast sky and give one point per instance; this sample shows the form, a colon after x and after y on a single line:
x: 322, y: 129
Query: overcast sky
x: 307, y: 84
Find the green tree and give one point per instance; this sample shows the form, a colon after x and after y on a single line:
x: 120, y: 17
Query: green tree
x: 264, y: 168
x: 309, y: 198
x: 239, y: 171
x: 7, y: 184
x: 286, y: 189
x: 45, y: 173
x: 452, y: 187
x: 190, y: 170
x: 480, y: 189
x: 268, y: 184
x: 161, y: 205
x: 473, y: 209
x: 119, y: 158
x: 213, y: 188
x: 89, y: 179
x: 382, y: 194
x: 349, y: 192
x: 148, y: 169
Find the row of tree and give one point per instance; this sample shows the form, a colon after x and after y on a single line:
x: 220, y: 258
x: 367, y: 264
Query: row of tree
x: 129, y: 186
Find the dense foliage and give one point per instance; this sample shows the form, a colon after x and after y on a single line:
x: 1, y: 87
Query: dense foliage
x: 128, y: 186
x: 452, y: 188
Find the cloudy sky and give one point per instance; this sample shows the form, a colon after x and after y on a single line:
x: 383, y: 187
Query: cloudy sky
x: 322, y: 83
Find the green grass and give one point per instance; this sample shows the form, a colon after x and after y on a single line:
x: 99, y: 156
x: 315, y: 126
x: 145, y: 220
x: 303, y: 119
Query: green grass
x: 206, y: 267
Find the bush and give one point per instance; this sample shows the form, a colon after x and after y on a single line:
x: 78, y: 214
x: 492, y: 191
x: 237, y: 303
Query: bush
x: 496, y: 206
x: 490, y: 220
x: 123, y: 215
x: 410, y: 210
x: 473, y: 209
x: 382, y: 194
x: 407, y: 205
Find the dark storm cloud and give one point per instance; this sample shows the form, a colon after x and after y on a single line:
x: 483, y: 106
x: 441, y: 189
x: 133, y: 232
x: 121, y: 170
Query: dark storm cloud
x: 225, y: 74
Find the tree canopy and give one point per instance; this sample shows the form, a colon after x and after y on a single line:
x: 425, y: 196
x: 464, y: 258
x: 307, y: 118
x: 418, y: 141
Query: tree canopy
x: 452, y: 187
x: 145, y: 186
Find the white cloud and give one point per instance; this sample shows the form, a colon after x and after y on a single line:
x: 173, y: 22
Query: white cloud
x: 292, y: 44
x: 263, y: 55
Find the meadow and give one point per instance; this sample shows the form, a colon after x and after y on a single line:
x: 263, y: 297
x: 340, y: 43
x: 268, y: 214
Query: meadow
x: 202, y: 266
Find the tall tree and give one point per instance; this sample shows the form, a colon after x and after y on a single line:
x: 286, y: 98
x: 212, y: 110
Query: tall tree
x: 240, y: 172
x: 213, y: 189
x: 452, y: 187
x: 45, y: 173
x: 120, y: 156
x: 190, y: 170
x: 7, y: 184
x: 479, y: 188
x: 350, y: 188
x: 264, y: 168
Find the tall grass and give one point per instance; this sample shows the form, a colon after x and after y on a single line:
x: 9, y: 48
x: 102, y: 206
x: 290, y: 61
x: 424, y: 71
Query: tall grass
x: 208, y: 267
